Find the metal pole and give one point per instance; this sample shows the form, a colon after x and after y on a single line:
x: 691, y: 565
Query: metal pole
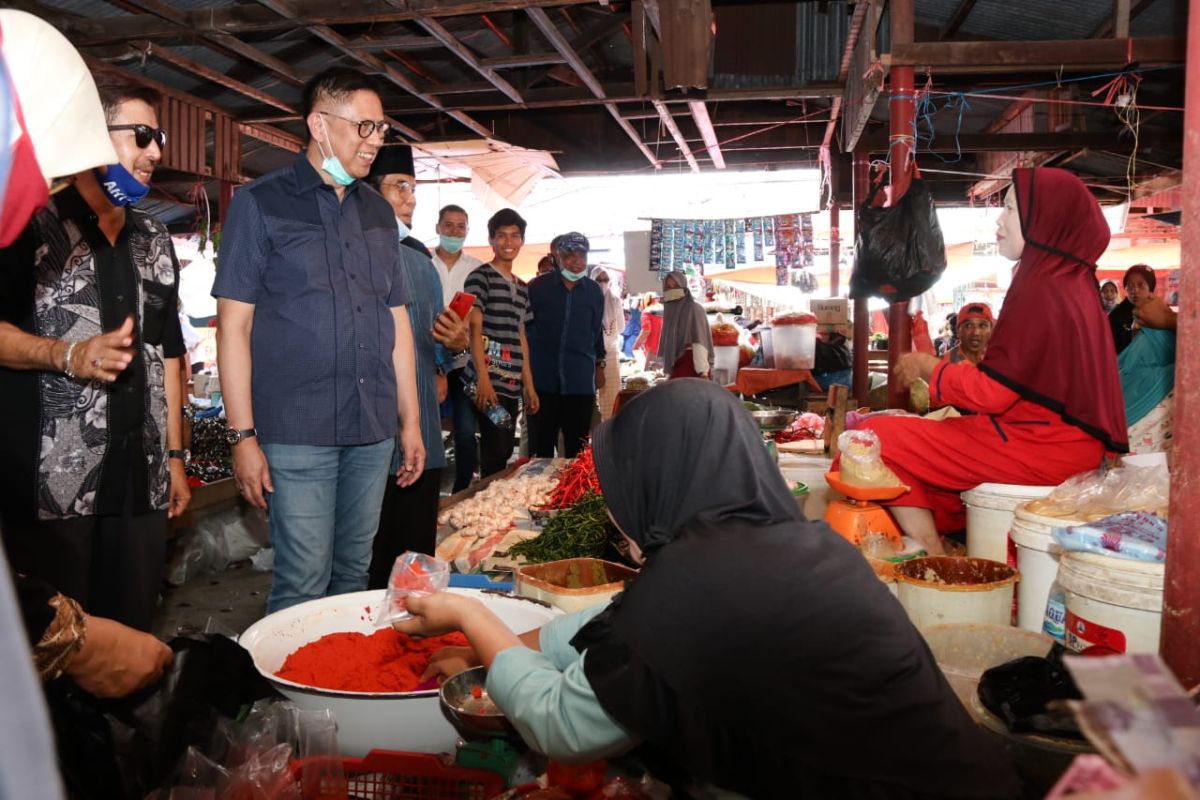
x: 1180, y: 642
x: 862, y: 317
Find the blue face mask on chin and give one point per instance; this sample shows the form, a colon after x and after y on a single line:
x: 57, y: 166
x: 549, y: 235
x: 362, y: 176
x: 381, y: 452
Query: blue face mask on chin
x: 573, y: 276
x: 404, y: 229
x: 332, y: 165
x: 452, y: 244
x: 121, y: 188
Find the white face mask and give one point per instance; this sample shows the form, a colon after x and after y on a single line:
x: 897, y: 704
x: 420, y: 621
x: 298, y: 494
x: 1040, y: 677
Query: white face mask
x: 670, y: 295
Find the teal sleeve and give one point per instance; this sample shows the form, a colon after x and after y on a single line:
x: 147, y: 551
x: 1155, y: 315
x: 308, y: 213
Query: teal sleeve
x: 555, y: 710
x: 556, y: 635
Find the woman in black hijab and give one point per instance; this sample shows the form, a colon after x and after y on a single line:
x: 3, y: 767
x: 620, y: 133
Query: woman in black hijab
x: 1139, y: 283
x: 756, y: 652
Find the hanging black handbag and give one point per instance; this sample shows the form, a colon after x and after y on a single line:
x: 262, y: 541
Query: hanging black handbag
x: 900, y: 252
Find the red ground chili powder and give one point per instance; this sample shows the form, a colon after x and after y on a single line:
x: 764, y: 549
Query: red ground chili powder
x: 385, y: 661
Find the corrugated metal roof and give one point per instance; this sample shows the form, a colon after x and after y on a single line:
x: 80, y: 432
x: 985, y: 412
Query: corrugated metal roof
x: 1034, y: 20
x: 820, y: 38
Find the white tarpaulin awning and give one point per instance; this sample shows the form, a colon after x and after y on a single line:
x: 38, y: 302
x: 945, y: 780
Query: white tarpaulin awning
x: 501, y: 174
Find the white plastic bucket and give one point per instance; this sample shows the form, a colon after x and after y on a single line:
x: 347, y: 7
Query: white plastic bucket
x: 725, y: 363
x: 941, y: 589
x: 1112, y: 602
x: 990, y: 509
x: 1037, y: 561
x: 795, y: 346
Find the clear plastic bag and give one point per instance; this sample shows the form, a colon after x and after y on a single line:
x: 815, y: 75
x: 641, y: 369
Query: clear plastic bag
x: 1134, y: 534
x: 862, y: 460
x: 413, y: 575
x: 1096, y: 495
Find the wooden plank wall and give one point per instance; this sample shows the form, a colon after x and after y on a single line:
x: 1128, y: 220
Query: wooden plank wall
x: 188, y: 128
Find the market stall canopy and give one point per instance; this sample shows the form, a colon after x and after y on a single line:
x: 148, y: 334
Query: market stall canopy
x: 501, y: 174
x: 1159, y: 255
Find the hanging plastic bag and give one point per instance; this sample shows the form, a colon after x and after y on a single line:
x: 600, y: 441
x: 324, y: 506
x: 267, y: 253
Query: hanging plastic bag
x: 413, y: 575
x: 900, y: 252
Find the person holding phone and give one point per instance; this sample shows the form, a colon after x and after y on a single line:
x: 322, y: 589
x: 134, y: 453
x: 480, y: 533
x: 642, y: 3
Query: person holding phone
x: 408, y: 516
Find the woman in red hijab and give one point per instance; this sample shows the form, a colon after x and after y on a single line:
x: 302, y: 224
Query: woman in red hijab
x: 1047, y: 396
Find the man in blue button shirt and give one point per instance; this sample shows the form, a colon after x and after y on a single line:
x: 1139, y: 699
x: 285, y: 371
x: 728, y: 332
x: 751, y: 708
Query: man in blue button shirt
x: 564, y: 326
x: 315, y: 348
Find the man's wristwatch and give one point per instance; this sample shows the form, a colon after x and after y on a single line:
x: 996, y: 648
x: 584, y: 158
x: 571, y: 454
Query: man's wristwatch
x: 183, y: 455
x: 601, y: 363
x: 232, y: 437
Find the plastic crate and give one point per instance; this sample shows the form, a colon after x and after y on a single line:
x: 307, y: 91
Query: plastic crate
x: 392, y: 775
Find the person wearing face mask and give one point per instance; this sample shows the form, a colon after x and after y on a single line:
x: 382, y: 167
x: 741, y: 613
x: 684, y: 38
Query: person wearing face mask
x: 686, y: 344
x: 453, y: 265
x: 1110, y: 296
x: 1139, y: 282
x: 565, y: 326
x: 408, y: 519
x: 91, y: 450
x: 310, y: 265
x: 1041, y: 413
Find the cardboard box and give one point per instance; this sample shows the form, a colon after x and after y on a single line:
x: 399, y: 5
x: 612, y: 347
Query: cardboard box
x: 830, y: 311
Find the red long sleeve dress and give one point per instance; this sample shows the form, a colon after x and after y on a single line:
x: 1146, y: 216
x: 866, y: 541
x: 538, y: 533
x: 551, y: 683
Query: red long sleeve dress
x: 1008, y: 440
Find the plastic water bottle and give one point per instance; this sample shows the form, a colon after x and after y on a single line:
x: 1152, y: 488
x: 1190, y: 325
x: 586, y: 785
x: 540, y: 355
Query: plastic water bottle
x: 1055, y: 620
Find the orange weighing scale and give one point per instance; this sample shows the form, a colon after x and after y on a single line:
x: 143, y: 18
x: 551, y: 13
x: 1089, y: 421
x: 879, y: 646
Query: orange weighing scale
x: 860, y: 513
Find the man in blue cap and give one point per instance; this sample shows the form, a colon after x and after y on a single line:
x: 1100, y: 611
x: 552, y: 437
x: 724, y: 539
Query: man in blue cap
x: 564, y: 326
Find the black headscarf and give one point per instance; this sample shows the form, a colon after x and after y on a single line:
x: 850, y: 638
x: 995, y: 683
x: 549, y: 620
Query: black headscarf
x: 757, y: 651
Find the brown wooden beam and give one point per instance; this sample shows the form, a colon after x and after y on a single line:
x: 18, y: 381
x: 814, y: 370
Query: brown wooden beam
x: 956, y: 19
x: 669, y: 121
x: 527, y: 60
x: 217, y: 77
x: 497, y: 31
x: 237, y: 18
x: 273, y: 137
x: 439, y: 32
x: 406, y: 42
x: 949, y: 58
x: 559, y: 42
x: 1110, y: 28
x: 707, y: 132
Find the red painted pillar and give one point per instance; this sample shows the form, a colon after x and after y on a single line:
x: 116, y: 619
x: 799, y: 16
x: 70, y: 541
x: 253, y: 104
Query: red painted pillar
x: 902, y: 112
x: 835, y: 250
x: 1180, y: 643
x: 862, y: 317
x: 224, y: 198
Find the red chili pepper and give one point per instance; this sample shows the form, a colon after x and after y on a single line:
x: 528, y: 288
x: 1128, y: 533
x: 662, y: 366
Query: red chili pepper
x: 476, y: 692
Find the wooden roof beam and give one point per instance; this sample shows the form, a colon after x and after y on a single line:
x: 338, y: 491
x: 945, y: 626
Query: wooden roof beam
x: 957, y: 19
x: 559, y: 42
x: 497, y: 31
x: 707, y: 132
x: 217, y: 77
x: 527, y: 60
x: 470, y: 59
x: 961, y: 58
x: 238, y: 18
x: 1117, y: 25
x: 404, y: 42
x: 669, y: 121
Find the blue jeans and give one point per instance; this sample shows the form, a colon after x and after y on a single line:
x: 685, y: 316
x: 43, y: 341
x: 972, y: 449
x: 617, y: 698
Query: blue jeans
x: 324, y: 513
x: 466, y: 424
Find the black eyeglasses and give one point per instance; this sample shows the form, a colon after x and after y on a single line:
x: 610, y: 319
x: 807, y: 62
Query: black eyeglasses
x: 143, y: 135
x: 366, y: 127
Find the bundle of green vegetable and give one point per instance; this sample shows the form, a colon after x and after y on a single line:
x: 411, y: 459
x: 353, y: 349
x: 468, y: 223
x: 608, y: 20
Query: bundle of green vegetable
x: 576, y: 532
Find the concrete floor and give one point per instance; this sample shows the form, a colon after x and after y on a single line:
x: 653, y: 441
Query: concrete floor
x: 232, y: 600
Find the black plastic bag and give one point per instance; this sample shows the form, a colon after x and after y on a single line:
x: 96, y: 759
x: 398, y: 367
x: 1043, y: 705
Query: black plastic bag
x: 1019, y: 691
x: 900, y: 252
x: 111, y: 749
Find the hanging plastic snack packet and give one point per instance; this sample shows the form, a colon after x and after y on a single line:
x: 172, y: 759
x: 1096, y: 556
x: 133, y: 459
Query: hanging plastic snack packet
x: 413, y: 575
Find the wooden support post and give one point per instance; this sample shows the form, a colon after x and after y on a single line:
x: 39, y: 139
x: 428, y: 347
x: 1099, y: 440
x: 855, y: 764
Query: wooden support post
x: 1181, y: 589
x: 862, y: 315
x: 1121, y: 19
x: 835, y: 246
x: 835, y: 417
x: 902, y: 112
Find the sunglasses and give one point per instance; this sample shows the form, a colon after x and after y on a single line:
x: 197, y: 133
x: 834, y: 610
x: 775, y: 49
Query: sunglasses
x: 143, y: 135
x: 366, y: 127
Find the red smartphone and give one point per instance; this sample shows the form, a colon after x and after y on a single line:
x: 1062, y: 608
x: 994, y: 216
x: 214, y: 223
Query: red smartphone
x: 461, y: 304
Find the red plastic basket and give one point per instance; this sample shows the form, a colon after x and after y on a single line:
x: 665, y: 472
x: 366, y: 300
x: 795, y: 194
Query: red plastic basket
x: 392, y: 775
